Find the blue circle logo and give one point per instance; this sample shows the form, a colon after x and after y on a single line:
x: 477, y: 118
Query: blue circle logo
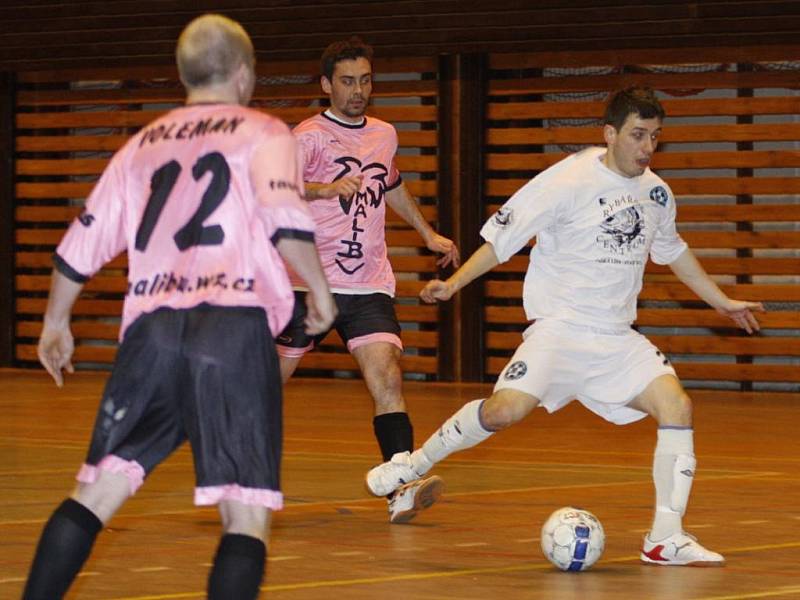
x: 516, y: 370
x: 659, y: 195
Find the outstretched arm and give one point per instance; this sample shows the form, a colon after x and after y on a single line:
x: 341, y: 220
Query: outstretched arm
x: 55, y: 343
x: 403, y: 203
x: 691, y: 273
x: 482, y: 261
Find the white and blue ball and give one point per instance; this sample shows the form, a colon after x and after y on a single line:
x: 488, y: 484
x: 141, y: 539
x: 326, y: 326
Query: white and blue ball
x: 573, y: 539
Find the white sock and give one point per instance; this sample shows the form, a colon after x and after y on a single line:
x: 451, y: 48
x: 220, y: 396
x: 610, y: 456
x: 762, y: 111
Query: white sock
x: 673, y: 472
x: 461, y: 431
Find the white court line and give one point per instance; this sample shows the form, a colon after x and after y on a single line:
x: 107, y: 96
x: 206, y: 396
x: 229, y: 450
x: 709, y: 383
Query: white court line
x: 526, y: 540
x: 471, y: 544
x: 350, y: 553
x: 12, y: 580
x: 752, y: 522
x: 149, y: 569
x: 280, y: 558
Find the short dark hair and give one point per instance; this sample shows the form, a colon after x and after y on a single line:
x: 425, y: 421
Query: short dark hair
x: 344, y: 50
x: 633, y: 100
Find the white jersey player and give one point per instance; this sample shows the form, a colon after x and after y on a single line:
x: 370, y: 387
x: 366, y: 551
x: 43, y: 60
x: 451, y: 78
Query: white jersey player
x: 596, y: 217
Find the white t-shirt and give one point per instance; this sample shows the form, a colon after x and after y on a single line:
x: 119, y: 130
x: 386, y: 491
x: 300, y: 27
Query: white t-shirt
x: 594, y: 230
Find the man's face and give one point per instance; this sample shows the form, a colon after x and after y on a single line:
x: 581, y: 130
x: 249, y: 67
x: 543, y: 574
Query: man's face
x: 350, y: 88
x: 631, y: 148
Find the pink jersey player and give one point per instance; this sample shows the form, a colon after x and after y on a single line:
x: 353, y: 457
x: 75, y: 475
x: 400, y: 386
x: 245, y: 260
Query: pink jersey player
x: 350, y: 239
x: 207, y: 201
x: 350, y: 176
x: 197, y: 198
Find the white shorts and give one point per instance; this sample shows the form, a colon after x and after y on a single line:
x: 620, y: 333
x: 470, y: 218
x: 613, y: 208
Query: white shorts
x: 558, y: 362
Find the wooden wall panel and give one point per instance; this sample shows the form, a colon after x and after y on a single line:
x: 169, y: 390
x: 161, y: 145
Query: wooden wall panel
x: 44, y: 35
x: 730, y: 153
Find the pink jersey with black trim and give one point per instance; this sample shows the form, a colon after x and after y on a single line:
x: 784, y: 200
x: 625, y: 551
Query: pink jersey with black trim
x: 198, y: 199
x: 351, y: 231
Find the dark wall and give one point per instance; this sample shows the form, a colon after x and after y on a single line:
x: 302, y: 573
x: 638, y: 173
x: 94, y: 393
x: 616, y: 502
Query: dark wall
x: 43, y: 34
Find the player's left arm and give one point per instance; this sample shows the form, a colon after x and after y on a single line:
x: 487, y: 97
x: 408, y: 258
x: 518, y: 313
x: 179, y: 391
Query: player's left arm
x: 689, y: 270
x: 404, y: 204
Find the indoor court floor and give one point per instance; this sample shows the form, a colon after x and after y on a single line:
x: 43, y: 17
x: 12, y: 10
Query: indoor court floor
x: 481, y: 541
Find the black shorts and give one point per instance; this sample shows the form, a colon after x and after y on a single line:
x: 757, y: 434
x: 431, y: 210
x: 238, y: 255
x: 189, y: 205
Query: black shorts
x: 362, y: 319
x: 208, y: 374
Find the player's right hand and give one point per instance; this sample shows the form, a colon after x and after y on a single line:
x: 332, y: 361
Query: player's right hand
x: 320, y: 313
x: 55, y: 352
x: 346, y: 186
x: 436, y: 289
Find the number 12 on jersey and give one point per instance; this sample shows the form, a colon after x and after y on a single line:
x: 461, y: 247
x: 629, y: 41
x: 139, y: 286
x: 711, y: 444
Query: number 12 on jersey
x: 193, y: 233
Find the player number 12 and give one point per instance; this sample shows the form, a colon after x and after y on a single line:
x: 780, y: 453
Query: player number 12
x: 193, y: 233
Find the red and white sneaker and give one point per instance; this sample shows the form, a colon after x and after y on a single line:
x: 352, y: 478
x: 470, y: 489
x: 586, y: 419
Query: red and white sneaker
x: 679, y: 549
x: 414, y: 497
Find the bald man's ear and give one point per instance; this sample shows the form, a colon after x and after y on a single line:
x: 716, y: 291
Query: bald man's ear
x: 245, y: 78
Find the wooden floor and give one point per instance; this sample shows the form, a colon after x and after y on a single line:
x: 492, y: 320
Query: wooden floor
x: 480, y: 542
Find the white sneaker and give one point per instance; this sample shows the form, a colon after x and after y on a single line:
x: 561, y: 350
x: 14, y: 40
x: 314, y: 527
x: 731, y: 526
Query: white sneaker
x: 389, y: 476
x: 679, y: 549
x: 413, y: 497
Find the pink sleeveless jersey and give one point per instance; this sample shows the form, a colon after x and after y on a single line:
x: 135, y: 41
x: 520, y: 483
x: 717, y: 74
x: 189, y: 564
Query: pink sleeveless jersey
x: 198, y: 199
x: 351, y: 231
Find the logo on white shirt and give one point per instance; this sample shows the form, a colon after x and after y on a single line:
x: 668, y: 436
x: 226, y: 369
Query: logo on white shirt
x: 659, y: 195
x: 516, y: 370
x: 502, y: 218
x: 622, y: 231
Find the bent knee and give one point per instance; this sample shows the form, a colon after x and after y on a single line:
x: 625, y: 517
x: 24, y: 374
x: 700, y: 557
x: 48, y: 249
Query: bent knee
x: 676, y: 411
x: 506, y: 407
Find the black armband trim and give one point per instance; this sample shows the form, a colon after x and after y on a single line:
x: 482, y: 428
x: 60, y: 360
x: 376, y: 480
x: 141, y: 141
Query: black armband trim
x: 67, y: 271
x: 292, y: 234
x: 395, y: 185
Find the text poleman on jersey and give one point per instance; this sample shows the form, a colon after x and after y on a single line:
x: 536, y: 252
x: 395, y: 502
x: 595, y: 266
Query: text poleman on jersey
x: 190, y: 129
x: 170, y: 282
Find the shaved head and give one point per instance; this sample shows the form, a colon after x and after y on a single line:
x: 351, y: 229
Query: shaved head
x: 210, y: 49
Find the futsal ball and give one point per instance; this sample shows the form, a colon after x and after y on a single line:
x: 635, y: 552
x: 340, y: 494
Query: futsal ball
x: 573, y: 539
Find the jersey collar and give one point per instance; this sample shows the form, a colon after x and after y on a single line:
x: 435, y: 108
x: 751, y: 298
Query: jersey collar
x: 331, y: 117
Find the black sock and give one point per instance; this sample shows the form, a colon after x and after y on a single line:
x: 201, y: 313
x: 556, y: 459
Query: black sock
x: 66, y: 542
x: 238, y: 568
x: 394, y: 433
